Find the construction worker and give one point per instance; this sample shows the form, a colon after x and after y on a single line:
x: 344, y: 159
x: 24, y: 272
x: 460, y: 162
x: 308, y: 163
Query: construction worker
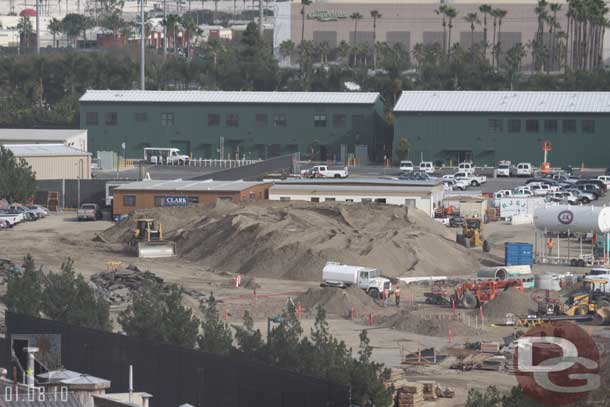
x: 549, y: 245
x: 397, y: 295
x: 386, y: 297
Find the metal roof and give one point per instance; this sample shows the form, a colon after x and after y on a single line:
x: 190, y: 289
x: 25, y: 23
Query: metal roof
x: 189, y: 186
x: 491, y: 101
x: 361, y: 181
x: 44, y: 150
x: 162, y: 96
x: 39, y: 134
x: 359, y: 189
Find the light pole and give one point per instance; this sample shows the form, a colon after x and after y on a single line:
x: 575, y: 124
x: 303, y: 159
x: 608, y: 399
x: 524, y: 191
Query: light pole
x: 142, y: 48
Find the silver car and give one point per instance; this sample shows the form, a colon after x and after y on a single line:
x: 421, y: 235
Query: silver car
x: 39, y: 210
x: 584, y: 197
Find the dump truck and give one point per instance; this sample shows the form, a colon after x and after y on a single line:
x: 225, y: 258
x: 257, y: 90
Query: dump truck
x: 147, y: 240
x: 342, y: 275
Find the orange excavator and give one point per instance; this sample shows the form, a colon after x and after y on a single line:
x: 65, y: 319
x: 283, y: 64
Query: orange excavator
x: 472, y: 294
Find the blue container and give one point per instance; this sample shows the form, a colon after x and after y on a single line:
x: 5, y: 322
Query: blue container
x: 518, y: 254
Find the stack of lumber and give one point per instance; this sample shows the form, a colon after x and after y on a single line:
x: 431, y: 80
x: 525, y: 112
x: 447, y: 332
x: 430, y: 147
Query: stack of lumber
x: 410, y: 395
x: 429, y: 390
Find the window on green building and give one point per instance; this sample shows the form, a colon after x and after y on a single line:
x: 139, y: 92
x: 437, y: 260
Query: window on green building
x: 514, y: 126
x: 262, y: 120
x: 91, y: 118
x: 139, y: 116
x: 550, y: 126
x: 232, y: 120
x: 569, y: 126
x: 213, y: 119
x: 167, y: 119
x: 588, y: 126
x: 494, y: 126
x: 280, y: 120
x: 531, y: 126
x: 111, y: 118
x: 319, y: 120
x: 339, y: 121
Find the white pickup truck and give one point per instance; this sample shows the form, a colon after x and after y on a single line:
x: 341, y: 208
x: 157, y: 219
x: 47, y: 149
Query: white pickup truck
x: 454, y: 183
x: 342, y: 275
x: 471, y: 179
x: 323, y: 171
x: 10, y: 219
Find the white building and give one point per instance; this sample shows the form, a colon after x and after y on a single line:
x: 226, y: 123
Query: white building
x: 68, y: 137
x: 54, y: 161
x: 423, y: 195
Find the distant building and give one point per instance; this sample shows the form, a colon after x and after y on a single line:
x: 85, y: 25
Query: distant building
x: 68, y: 137
x: 486, y: 127
x: 323, y: 125
x: 54, y: 161
x: 423, y: 195
x: 151, y: 194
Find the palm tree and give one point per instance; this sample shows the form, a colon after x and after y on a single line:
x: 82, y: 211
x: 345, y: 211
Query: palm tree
x: 375, y: 14
x: 356, y: 16
x: 472, y: 19
x: 172, y: 22
x: 485, y: 9
x: 538, y: 44
x: 442, y: 11
x: 323, y: 48
x: 553, y: 26
x: 287, y: 50
x: 55, y: 27
x: 500, y: 14
x: 303, y: 4
x: 343, y: 51
x: 25, y: 29
x: 451, y: 14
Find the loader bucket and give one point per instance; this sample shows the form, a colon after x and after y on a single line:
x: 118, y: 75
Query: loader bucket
x: 156, y: 249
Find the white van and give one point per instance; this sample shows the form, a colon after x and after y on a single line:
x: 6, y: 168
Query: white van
x: 524, y: 170
x: 406, y: 166
x: 605, y: 179
x: 427, y: 167
x: 466, y: 166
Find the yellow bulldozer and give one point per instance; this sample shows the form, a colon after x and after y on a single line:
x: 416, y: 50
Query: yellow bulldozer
x: 147, y: 240
x: 589, y: 301
x: 471, y: 235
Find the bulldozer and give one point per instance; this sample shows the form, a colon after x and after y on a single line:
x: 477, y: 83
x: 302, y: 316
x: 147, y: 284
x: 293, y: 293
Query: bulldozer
x: 471, y: 235
x: 147, y: 240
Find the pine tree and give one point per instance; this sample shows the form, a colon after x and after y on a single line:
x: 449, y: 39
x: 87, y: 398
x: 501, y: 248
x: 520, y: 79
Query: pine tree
x: 24, y: 289
x: 216, y: 336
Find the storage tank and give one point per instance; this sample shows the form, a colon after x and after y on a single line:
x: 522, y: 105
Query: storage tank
x: 492, y: 273
x: 547, y: 282
x: 518, y: 254
x: 581, y: 219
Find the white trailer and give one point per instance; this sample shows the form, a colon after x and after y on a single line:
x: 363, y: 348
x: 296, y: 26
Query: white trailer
x: 342, y: 275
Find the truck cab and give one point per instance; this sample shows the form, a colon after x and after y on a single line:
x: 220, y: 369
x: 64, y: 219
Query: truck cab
x: 343, y: 275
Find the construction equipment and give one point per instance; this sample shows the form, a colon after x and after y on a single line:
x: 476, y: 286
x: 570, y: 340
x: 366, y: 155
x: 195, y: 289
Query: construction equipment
x: 471, y: 235
x: 471, y: 294
x: 148, y: 240
x: 602, y: 316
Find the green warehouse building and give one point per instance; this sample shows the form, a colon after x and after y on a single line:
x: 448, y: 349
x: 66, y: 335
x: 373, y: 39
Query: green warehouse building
x: 210, y: 124
x: 486, y: 127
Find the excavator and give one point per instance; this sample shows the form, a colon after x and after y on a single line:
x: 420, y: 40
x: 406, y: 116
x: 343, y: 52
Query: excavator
x: 472, y: 294
x: 471, y: 235
x: 147, y: 240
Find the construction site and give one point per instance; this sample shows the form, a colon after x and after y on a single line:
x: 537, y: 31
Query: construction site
x: 436, y: 301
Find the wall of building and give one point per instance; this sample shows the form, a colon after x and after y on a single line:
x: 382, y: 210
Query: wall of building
x: 408, y: 23
x: 146, y: 199
x: 192, y: 133
x: 61, y: 167
x: 424, y: 202
x: 486, y: 138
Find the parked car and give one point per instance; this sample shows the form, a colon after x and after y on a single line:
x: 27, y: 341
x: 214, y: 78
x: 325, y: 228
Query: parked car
x: 503, y: 193
x: 323, y: 171
x: 10, y: 218
x: 601, y: 184
x: 470, y: 178
x: 450, y: 181
x: 406, y: 166
x: 466, y: 166
x: 503, y: 169
x: 27, y: 214
x: 524, y: 170
x: 563, y: 197
x: 591, y: 188
x: 39, y: 209
x: 605, y: 179
x: 583, y: 196
x: 417, y: 176
x: 427, y: 167
x: 89, y: 211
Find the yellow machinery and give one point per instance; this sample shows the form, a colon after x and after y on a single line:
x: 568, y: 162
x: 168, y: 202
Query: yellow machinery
x: 471, y: 235
x: 587, y: 302
x: 148, y: 240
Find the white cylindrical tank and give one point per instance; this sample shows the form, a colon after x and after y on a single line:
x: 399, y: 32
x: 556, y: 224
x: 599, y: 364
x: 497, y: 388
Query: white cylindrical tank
x: 579, y: 219
x: 547, y: 282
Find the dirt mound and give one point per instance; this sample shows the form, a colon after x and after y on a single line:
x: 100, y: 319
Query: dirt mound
x: 338, y: 301
x: 510, y: 301
x: 433, y: 325
x: 294, y: 240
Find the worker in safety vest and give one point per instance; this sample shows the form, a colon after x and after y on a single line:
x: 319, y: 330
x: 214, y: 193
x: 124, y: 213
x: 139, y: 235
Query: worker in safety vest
x: 549, y: 245
x: 397, y: 295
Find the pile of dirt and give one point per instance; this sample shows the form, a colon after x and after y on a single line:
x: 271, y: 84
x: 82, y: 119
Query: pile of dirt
x: 432, y: 325
x: 338, y: 301
x: 510, y: 301
x: 293, y: 240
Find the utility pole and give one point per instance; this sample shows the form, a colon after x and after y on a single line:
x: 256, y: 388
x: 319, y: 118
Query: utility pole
x: 164, y: 29
x: 38, y: 27
x: 142, y: 48
x: 260, y: 18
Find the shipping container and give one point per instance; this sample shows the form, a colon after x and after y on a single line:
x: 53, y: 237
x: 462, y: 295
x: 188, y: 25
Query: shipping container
x: 516, y: 254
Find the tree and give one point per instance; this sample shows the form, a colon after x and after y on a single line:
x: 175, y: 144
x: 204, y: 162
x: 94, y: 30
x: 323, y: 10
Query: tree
x: 485, y: 9
x: 287, y: 50
x: 156, y: 313
x: 538, y: 47
x: 74, y: 25
x: 68, y: 298
x: 403, y: 148
x: 24, y: 289
x: 442, y: 11
x: 472, y: 19
x: 24, y: 27
x: 17, y: 180
x: 172, y: 22
x: 451, y: 14
x: 356, y: 17
x: 376, y: 15
x: 249, y: 341
x: 500, y: 14
x: 304, y: 3
x: 55, y: 27
x: 216, y: 336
